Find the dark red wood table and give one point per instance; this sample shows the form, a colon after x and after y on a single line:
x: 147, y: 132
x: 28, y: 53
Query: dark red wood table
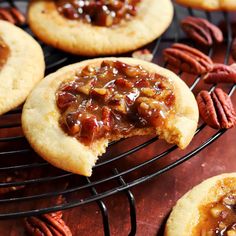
x: 153, y: 198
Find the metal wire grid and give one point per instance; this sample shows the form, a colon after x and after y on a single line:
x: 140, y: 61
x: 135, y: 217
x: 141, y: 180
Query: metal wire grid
x: 55, y: 59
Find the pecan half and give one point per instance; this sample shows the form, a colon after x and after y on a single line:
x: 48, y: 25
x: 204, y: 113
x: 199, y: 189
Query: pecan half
x: 188, y: 59
x: 233, y: 49
x: 201, y: 30
x: 221, y: 73
x: 216, y: 109
x: 144, y: 54
x: 50, y: 224
x: 13, y: 15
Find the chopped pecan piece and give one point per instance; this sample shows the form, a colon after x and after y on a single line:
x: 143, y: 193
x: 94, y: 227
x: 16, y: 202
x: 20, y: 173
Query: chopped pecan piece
x: 216, y: 109
x: 149, y: 92
x: 13, y: 15
x: 230, y: 200
x: 233, y: 49
x: 118, y: 103
x: 64, y: 99
x: 106, y: 117
x: 89, y: 127
x: 71, y: 122
x: 221, y: 73
x: 100, y: 94
x: 201, y: 30
x: 88, y: 71
x: 188, y: 59
x: 132, y: 71
x: 13, y: 177
x: 123, y: 83
x: 144, y: 54
x: 85, y: 89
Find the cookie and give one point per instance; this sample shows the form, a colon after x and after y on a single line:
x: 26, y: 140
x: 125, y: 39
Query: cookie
x: 215, y: 5
x: 60, y: 116
x: 79, y: 37
x: 207, y: 209
x: 21, y: 65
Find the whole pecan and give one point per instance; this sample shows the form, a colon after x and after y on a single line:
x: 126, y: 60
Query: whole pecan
x: 216, y: 109
x: 221, y: 73
x: 233, y: 49
x: 201, y: 30
x: 13, y: 15
x: 188, y: 59
x: 50, y: 224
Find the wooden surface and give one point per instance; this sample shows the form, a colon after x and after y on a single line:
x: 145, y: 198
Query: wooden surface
x: 154, y: 199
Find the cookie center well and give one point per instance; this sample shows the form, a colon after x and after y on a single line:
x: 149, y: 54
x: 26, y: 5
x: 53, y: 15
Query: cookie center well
x: 218, y: 218
x: 4, y: 52
x: 113, y: 99
x: 98, y: 12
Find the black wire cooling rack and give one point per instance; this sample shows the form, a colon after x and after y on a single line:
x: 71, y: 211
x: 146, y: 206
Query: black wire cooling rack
x: 38, y: 184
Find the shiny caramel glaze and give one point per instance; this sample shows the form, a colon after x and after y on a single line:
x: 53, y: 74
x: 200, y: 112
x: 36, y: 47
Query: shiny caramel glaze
x: 98, y: 12
x: 112, y: 100
x: 219, y: 218
x: 4, y: 53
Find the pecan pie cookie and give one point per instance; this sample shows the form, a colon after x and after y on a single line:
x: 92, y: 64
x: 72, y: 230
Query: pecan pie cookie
x: 72, y: 114
x: 207, y: 209
x: 21, y: 65
x: 210, y: 5
x: 99, y: 27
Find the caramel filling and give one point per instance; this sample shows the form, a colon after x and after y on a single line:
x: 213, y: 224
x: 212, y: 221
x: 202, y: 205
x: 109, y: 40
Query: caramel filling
x: 98, y: 12
x: 218, y: 218
x: 4, y: 53
x: 113, y: 99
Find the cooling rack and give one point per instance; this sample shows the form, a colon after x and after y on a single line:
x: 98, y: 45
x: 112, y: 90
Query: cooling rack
x: 126, y: 164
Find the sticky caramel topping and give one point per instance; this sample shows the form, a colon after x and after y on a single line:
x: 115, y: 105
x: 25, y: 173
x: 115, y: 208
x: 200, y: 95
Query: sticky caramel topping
x: 112, y: 100
x: 98, y: 12
x: 218, y: 218
x: 4, y: 53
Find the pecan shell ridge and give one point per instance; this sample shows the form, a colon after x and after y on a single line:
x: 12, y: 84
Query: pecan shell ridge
x: 20, y: 18
x: 6, y: 15
x: 219, y: 109
x: 206, y: 109
x: 58, y: 224
x: 215, y: 31
x: 50, y: 224
x: 192, y: 50
x: 12, y: 15
x: 221, y: 73
x: 201, y: 30
x: 216, y: 109
x: 188, y: 59
x: 35, y: 226
x: 185, y: 57
x: 228, y: 115
x: 195, y: 31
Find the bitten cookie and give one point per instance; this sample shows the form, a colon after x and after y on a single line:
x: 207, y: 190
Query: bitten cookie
x: 72, y: 114
x: 210, y: 5
x: 207, y: 209
x: 99, y: 28
x: 21, y: 65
